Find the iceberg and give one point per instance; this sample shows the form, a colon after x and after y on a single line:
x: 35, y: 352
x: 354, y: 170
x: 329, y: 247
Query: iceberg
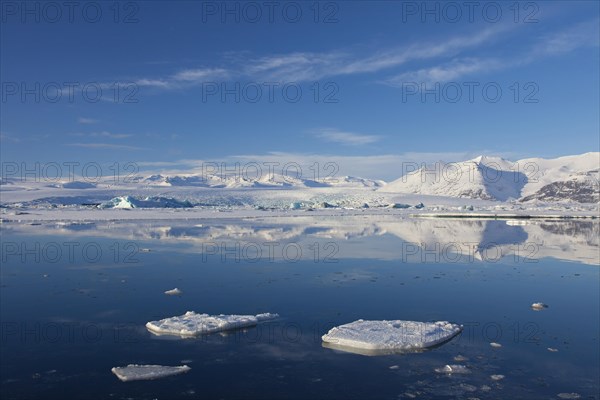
x: 128, y: 202
x: 134, y: 372
x: 385, y: 337
x: 191, y: 324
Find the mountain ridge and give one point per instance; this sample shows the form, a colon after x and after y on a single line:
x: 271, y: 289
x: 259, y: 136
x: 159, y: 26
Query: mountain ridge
x: 567, y: 178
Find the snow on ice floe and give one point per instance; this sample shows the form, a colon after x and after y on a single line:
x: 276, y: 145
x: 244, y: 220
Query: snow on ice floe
x: 173, y: 292
x: 538, y: 306
x: 384, y: 337
x: 134, y: 372
x: 192, y: 324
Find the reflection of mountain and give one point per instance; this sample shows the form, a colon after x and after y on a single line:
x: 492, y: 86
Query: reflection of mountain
x: 357, y: 237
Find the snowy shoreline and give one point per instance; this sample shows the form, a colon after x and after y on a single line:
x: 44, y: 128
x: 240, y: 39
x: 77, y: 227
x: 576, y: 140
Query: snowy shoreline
x: 90, y: 215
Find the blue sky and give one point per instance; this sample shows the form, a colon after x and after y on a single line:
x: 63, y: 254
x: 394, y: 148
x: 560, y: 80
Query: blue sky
x: 365, y: 84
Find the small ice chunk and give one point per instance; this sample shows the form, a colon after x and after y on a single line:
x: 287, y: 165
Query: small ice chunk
x: 468, y: 388
x: 497, y: 377
x: 496, y: 345
x: 394, y: 367
x: 552, y: 349
x: 569, y: 396
x: 460, y: 358
x: 453, y: 369
x: 134, y: 372
x: 173, y: 292
x: 389, y: 336
x: 538, y: 306
x: 192, y: 324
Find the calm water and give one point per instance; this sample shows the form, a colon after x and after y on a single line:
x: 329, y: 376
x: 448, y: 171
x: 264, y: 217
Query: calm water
x: 75, y: 299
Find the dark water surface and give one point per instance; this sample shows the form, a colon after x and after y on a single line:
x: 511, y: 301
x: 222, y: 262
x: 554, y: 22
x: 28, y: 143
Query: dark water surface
x: 75, y: 299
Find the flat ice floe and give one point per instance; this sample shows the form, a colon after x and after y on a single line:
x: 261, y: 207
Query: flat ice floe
x: 538, y: 306
x: 134, y: 372
x: 383, y: 337
x: 192, y: 324
x: 453, y: 369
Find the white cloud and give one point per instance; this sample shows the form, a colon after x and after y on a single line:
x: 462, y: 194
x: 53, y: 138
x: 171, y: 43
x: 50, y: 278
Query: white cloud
x: 580, y: 35
x: 104, y: 134
x: 309, y: 66
x: 346, y: 138
x: 452, y: 71
x: 9, y: 138
x: 87, y: 121
x: 110, y: 135
x: 312, y: 66
x: 184, y: 78
x: 195, y: 75
x: 105, y: 146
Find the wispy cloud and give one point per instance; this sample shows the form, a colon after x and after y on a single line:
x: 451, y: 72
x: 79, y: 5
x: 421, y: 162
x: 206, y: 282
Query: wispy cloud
x: 447, y: 53
x: 105, y: 146
x: 345, y: 138
x: 9, y: 138
x: 451, y: 71
x: 423, y: 51
x: 103, y: 134
x: 308, y: 66
x: 585, y: 34
x: 87, y: 121
x: 185, y: 78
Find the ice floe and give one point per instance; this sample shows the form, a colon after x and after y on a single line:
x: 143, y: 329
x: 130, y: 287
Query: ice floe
x: 538, y: 306
x: 383, y: 337
x: 134, y: 372
x: 568, y: 396
x: 192, y: 324
x: 453, y: 369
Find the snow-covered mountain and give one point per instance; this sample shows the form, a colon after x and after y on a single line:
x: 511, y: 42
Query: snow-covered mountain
x: 570, y: 178
x: 262, y: 181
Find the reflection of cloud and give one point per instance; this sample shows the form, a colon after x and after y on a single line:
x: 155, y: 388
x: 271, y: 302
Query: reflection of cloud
x: 352, y: 237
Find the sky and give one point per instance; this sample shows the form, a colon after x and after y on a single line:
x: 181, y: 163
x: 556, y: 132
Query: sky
x: 363, y: 85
